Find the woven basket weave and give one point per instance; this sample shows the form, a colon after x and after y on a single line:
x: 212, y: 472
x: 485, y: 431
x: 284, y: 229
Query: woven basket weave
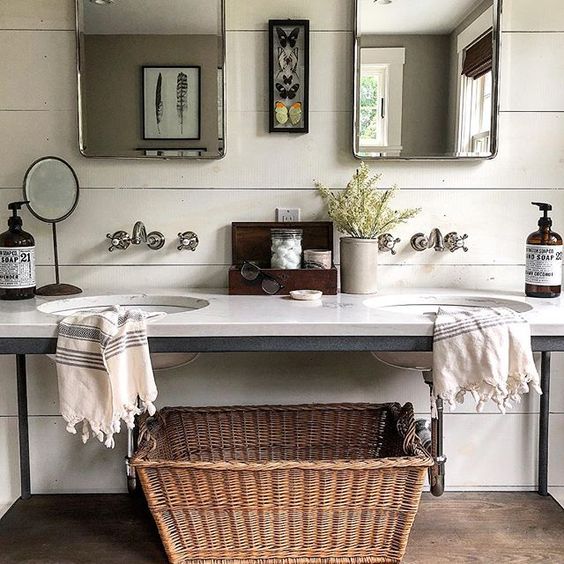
x: 315, y: 484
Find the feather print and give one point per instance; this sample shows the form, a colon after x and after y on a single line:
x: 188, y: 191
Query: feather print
x: 181, y: 98
x: 159, y: 106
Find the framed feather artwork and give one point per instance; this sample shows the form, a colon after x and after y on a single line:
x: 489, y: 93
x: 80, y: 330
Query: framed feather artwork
x: 171, y: 102
x: 289, y: 76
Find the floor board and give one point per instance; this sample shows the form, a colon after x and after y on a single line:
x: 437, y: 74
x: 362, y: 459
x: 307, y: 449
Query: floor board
x: 457, y: 528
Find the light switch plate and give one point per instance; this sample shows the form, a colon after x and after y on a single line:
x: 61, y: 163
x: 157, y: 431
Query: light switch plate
x: 288, y: 214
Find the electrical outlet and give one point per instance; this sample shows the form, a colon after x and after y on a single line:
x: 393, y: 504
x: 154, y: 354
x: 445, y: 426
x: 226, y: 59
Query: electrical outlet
x: 287, y: 214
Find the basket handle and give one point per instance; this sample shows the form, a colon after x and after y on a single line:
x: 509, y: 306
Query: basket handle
x: 406, y: 429
x: 148, y: 424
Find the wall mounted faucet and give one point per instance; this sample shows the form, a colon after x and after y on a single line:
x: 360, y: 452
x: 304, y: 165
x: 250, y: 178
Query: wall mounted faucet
x: 155, y: 240
x: 452, y: 241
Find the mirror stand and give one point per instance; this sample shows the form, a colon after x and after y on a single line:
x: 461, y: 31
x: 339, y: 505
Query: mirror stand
x: 57, y: 289
x: 51, y: 190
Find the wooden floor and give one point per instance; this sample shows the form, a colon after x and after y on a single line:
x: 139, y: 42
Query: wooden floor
x: 457, y: 528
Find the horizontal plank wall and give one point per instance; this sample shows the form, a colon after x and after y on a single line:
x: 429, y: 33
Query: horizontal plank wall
x: 490, y: 201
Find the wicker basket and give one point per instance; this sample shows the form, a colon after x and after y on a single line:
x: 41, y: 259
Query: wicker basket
x: 327, y: 484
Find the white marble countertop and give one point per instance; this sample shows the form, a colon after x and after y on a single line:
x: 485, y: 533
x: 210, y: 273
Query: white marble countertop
x: 341, y: 315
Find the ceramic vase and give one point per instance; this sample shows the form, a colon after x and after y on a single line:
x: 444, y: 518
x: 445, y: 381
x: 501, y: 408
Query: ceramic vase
x: 359, y: 265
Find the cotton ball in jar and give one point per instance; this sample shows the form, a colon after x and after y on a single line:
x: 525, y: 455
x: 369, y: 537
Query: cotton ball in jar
x: 286, y: 250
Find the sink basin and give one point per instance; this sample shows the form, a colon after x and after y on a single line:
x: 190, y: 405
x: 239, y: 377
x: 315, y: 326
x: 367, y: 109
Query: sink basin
x: 166, y: 304
x: 427, y: 305
x: 144, y: 302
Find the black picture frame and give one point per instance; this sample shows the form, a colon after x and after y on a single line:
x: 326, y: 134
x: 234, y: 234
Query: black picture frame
x: 198, y: 70
x: 302, y: 96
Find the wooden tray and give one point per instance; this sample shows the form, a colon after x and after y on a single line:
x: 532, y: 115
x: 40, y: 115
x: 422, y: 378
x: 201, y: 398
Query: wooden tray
x: 251, y: 241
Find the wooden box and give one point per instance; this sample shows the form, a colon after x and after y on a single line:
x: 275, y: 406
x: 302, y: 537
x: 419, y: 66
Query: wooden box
x: 251, y: 242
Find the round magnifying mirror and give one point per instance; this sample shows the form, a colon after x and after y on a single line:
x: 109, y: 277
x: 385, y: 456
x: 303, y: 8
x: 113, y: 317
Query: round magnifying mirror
x: 51, y: 188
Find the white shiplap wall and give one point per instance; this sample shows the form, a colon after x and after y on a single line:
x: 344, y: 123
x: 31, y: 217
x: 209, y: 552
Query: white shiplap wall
x: 490, y: 201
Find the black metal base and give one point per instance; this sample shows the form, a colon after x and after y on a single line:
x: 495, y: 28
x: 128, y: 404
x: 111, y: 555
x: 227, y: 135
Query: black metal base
x: 25, y: 470
x: 22, y: 346
x: 544, y: 424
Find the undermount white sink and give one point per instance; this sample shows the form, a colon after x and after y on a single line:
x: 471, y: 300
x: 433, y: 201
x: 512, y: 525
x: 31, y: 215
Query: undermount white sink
x: 427, y: 305
x: 165, y: 304
x: 144, y: 302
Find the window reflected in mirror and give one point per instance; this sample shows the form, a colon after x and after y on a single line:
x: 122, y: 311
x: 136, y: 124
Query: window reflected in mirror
x: 151, y: 78
x: 426, y: 79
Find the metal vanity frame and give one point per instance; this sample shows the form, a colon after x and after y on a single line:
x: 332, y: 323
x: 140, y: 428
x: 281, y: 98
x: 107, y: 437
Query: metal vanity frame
x: 21, y: 347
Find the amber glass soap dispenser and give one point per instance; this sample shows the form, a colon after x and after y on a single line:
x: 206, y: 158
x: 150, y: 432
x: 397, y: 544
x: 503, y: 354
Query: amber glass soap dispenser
x: 543, y: 278
x: 17, y: 259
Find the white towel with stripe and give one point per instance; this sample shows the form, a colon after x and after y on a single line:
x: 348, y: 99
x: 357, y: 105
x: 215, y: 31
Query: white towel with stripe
x: 484, y: 351
x: 104, y: 371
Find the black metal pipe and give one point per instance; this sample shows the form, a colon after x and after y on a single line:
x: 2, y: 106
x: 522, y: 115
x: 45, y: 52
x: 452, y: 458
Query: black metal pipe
x: 23, y: 427
x: 544, y: 423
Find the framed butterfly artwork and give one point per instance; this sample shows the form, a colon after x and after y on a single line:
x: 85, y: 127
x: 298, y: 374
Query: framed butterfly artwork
x: 288, y: 82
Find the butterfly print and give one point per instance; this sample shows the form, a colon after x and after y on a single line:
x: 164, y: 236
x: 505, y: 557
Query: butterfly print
x: 289, y: 93
x: 283, y: 114
x: 286, y: 39
x: 288, y: 60
x: 288, y: 63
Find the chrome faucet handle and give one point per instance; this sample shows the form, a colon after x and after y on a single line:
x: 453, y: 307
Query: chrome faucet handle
x: 188, y: 241
x: 387, y: 243
x: 155, y: 240
x: 419, y: 242
x: 454, y: 241
x: 120, y: 241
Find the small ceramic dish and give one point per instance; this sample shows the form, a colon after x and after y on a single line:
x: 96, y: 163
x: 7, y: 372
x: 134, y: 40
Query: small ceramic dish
x: 306, y: 295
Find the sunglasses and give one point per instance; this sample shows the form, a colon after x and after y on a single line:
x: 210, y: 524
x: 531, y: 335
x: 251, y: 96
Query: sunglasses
x: 252, y: 273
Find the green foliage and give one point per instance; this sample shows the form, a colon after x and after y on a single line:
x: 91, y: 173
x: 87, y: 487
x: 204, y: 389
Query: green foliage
x: 361, y: 210
x: 369, y: 102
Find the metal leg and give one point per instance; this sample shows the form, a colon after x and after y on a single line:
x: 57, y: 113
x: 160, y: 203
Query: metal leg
x: 544, y: 421
x: 23, y: 428
x: 129, y: 470
x: 132, y: 438
x: 437, y: 472
x: 434, y: 439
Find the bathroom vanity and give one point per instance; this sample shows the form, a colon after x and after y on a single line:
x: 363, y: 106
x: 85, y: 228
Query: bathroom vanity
x: 212, y: 321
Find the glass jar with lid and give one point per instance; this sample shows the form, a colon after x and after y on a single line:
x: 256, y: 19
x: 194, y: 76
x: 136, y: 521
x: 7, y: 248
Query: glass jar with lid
x: 286, y: 248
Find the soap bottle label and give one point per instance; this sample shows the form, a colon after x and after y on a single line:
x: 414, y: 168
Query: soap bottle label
x: 544, y: 265
x: 17, y: 267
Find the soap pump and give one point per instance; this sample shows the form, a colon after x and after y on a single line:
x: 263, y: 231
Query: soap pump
x: 543, y: 277
x: 17, y: 259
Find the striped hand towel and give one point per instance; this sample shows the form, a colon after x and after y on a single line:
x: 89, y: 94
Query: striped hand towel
x: 104, y: 368
x: 484, y: 351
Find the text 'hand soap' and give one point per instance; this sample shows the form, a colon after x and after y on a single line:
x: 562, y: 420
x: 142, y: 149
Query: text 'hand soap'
x: 543, y: 276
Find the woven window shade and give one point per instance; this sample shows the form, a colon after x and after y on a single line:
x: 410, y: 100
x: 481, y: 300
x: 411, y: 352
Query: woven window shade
x: 479, y: 57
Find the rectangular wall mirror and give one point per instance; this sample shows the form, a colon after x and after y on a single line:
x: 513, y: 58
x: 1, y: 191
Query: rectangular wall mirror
x: 151, y: 78
x: 426, y: 79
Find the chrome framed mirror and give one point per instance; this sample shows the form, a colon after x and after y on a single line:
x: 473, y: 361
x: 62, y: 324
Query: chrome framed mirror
x: 51, y: 189
x: 426, y: 79
x: 151, y: 78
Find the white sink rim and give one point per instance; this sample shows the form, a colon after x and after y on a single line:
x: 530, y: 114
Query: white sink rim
x: 394, y: 302
x: 67, y: 306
